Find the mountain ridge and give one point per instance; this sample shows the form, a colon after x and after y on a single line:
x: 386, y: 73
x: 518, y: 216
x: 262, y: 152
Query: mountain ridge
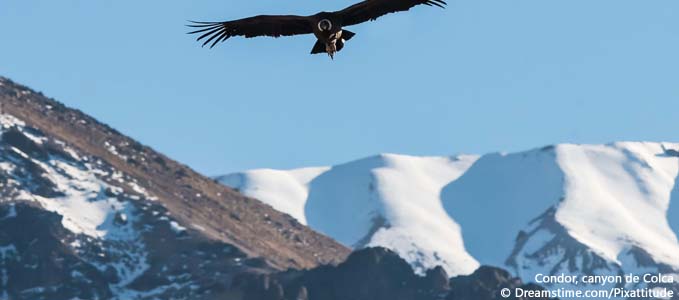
x: 550, y: 209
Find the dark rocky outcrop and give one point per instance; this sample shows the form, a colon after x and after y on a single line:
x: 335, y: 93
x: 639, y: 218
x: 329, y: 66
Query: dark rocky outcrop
x: 486, y: 283
x: 35, y: 263
x: 377, y: 274
x: 38, y: 260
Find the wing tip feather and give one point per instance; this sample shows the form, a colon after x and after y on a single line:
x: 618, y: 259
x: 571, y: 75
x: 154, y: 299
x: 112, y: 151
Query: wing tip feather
x: 215, y: 32
x: 438, y: 3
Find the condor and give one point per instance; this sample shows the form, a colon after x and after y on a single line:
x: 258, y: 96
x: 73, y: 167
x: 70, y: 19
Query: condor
x: 328, y: 27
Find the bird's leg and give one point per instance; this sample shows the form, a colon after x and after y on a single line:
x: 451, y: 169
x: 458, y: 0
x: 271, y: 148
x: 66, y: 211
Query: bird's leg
x: 331, y: 46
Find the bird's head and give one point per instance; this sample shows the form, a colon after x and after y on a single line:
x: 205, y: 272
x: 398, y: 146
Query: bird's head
x: 324, y: 25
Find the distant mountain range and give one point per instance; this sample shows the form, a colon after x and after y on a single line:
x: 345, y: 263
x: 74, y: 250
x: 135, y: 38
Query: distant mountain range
x: 574, y: 209
x: 88, y: 213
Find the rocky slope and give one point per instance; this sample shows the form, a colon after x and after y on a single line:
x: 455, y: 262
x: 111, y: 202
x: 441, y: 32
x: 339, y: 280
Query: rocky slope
x: 219, y: 212
x: 97, y: 215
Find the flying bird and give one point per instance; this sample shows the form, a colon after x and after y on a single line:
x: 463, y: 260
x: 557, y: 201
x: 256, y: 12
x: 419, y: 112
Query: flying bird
x: 326, y: 26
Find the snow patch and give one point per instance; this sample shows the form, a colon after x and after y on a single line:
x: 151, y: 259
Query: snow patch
x: 8, y: 121
x: 113, y: 150
x: 85, y: 207
x: 176, y: 227
x: 285, y: 191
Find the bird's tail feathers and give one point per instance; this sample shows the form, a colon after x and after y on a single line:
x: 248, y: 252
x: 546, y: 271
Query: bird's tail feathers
x: 319, y: 47
x: 339, y: 45
x: 347, y: 35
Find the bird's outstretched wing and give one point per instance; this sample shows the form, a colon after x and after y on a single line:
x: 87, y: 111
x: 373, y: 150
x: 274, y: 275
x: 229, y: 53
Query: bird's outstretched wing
x: 370, y: 10
x: 274, y: 26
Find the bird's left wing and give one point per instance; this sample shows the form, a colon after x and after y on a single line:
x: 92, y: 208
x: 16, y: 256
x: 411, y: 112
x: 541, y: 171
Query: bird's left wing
x: 274, y: 26
x: 370, y: 10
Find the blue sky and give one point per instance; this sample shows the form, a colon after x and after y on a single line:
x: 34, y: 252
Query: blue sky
x: 480, y: 76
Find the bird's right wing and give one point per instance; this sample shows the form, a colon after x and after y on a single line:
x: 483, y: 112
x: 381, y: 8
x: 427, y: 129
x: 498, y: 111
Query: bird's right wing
x: 369, y: 10
x: 274, y: 26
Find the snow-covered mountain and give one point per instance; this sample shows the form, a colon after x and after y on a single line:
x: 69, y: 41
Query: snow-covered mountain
x: 589, y: 209
x: 386, y: 200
